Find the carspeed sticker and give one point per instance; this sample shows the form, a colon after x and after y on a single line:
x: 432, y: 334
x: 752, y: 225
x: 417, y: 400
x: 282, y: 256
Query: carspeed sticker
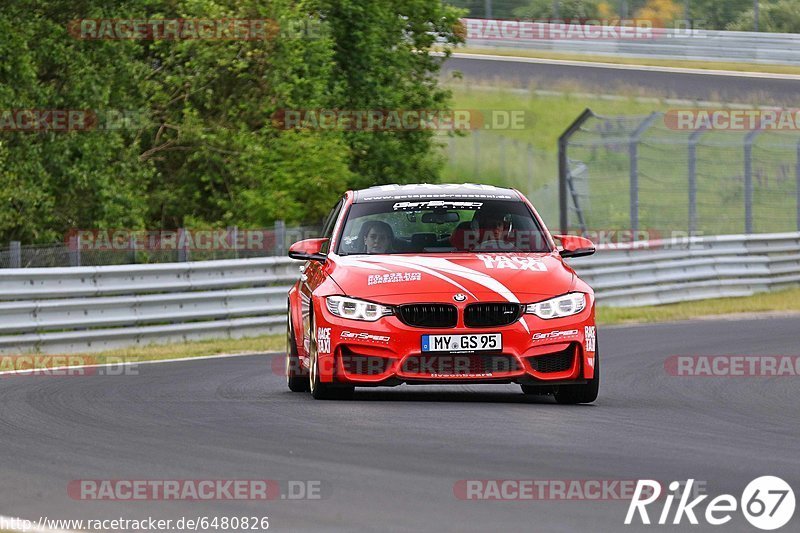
x: 555, y: 334
x: 512, y: 262
x: 362, y: 336
x: 394, y: 277
x: 324, y: 340
x: 590, y: 334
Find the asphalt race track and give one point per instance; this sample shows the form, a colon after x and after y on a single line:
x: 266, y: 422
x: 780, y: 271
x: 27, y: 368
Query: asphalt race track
x: 597, y: 79
x: 389, y: 459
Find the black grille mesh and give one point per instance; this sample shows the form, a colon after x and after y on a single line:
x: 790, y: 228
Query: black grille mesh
x: 368, y: 365
x: 554, y: 362
x: 429, y: 315
x: 491, y: 314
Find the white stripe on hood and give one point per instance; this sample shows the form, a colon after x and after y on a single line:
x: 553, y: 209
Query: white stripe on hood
x: 433, y: 264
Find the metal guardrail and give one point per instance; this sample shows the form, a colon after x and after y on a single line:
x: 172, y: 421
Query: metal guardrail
x: 63, y: 310
x: 99, y: 308
x: 664, y: 43
x: 661, y: 272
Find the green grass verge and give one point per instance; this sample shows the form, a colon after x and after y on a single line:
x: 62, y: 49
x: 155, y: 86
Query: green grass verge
x: 265, y: 343
x: 155, y: 352
x: 778, y: 301
x: 706, y: 65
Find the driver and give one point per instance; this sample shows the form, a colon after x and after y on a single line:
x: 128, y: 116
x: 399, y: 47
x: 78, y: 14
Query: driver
x: 493, y: 226
x: 377, y: 237
x: 493, y: 230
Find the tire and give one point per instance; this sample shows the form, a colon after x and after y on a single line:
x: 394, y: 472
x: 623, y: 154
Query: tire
x: 574, y: 394
x: 296, y: 380
x: 319, y: 390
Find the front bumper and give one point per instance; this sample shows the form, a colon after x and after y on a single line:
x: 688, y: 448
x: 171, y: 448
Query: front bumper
x: 389, y: 352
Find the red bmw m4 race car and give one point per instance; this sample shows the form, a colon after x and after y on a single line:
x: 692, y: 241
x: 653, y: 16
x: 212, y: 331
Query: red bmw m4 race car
x: 425, y: 284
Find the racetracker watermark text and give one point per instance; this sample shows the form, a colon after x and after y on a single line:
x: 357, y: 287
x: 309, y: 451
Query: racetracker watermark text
x: 66, y: 365
x: 551, y: 489
x: 733, y: 119
x: 732, y: 366
x: 196, y: 489
x: 222, y: 29
x: 379, y: 120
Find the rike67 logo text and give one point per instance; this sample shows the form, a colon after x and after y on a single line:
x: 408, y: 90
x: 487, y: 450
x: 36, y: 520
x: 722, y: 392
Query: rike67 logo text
x: 767, y: 503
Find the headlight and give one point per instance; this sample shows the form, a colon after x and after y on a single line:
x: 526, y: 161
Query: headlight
x: 352, y: 308
x: 558, y: 307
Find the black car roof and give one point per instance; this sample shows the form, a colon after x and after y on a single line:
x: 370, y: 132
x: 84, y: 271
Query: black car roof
x: 433, y: 191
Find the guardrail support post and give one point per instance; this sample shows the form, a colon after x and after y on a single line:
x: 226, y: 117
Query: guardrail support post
x: 15, y: 254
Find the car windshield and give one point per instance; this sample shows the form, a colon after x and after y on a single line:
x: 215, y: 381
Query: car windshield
x: 440, y: 226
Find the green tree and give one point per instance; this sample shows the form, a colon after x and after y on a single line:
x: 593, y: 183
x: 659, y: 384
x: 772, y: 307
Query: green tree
x: 716, y: 15
x: 206, y: 150
x: 567, y: 9
x: 782, y: 16
x: 49, y: 181
x: 382, y: 61
x: 220, y: 159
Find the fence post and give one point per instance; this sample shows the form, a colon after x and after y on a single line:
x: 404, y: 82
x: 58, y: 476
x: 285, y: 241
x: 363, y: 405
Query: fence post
x: 694, y: 138
x: 280, y: 237
x: 797, y: 186
x: 502, y: 143
x: 530, y: 169
x: 563, y: 167
x: 132, y: 246
x: 233, y: 233
x: 183, y: 254
x: 75, y: 250
x: 477, y: 156
x: 748, y: 180
x: 633, y: 154
x: 15, y: 254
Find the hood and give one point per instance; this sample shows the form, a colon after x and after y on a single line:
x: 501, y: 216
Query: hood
x: 400, y: 278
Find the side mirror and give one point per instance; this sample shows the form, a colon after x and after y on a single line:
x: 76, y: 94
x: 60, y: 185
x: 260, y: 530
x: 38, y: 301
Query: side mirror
x: 575, y: 246
x: 308, y: 250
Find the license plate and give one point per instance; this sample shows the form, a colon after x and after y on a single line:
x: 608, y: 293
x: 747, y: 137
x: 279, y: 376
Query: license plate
x: 462, y: 343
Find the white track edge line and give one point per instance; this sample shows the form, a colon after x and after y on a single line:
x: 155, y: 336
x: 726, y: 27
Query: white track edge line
x: 123, y: 363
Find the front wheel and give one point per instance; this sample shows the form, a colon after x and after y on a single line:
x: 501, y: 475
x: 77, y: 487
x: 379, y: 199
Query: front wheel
x: 319, y: 390
x: 295, y: 378
x: 574, y: 394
